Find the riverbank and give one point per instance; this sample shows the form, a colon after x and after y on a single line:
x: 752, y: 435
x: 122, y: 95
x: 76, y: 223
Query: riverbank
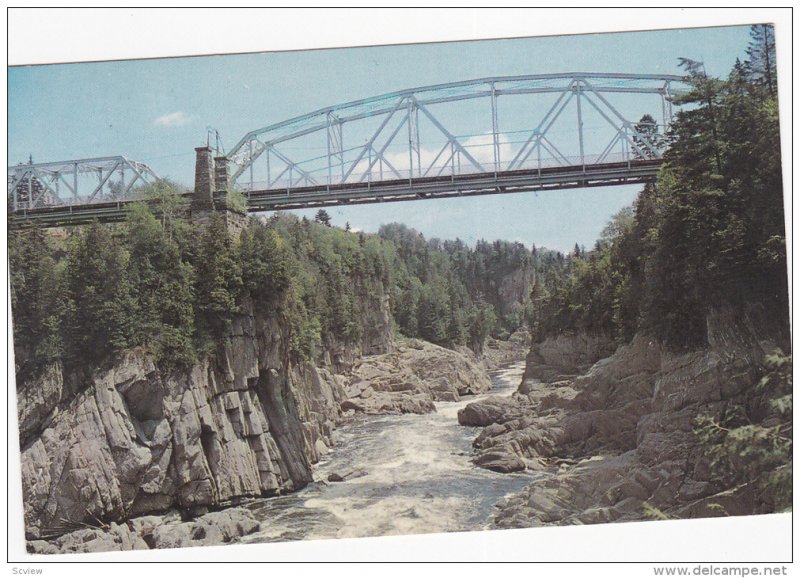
x: 405, y: 455
x: 637, y: 436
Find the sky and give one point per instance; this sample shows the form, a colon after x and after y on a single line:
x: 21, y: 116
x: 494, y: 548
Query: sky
x: 156, y: 111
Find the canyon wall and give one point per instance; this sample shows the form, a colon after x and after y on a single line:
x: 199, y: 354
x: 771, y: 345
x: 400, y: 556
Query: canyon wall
x: 135, y: 438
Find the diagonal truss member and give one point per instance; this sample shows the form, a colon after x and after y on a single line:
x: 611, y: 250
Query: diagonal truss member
x: 76, y: 182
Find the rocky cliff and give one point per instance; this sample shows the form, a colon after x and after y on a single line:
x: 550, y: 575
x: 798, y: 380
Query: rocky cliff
x: 621, y: 441
x: 411, y: 378
x: 566, y: 355
x: 135, y: 438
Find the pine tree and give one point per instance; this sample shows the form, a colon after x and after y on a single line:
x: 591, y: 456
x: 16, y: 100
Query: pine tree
x: 323, y: 217
x: 218, y: 280
x: 104, y: 315
x: 761, y: 61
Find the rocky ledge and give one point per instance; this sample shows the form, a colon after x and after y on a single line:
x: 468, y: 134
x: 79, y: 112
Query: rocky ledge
x: 167, y: 531
x: 619, y: 441
x: 411, y: 378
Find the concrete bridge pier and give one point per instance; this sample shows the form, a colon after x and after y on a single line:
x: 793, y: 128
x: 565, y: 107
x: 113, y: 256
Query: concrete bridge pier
x: 210, y: 196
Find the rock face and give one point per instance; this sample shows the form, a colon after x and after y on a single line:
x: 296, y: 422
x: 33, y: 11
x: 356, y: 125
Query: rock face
x: 567, y: 355
x: 167, y: 531
x: 497, y: 353
x: 411, y: 378
x: 135, y: 440
x: 620, y: 439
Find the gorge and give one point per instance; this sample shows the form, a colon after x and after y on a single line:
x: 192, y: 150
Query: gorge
x: 183, y: 383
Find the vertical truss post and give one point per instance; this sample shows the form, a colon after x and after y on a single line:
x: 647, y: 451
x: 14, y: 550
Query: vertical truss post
x: 416, y: 131
x: 330, y: 164
x: 495, y: 135
x: 369, y: 164
x: 580, y: 123
x: 269, y: 171
x: 251, y: 165
x: 626, y: 153
x: 411, y: 139
x: 539, y: 156
x: 668, y: 99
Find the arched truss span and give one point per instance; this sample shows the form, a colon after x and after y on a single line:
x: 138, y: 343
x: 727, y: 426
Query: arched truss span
x: 486, y: 126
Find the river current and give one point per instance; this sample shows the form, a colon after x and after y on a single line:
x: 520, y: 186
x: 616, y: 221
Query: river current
x: 419, y: 479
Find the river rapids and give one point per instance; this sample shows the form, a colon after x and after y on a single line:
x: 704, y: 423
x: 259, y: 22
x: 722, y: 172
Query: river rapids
x: 419, y: 479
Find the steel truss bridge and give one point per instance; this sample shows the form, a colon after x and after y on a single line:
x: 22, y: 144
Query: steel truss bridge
x: 476, y: 137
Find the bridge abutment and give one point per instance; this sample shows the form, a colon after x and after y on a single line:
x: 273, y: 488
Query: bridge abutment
x: 211, y: 193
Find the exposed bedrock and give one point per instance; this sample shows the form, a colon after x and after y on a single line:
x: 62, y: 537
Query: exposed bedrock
x: 135, y: 439
x: 621, y: 437
x: 410, y: 378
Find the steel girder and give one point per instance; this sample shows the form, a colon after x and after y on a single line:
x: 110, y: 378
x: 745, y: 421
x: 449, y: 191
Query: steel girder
x: 76, y: 182
x: 288, y: 159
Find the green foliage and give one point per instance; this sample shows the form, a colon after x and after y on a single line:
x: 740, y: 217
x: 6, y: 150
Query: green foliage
x: 754, y: 442
x: 265, y: 261
x: 761, y: 64
x: 103, y: 311
x: 323, y: 218
x: 235, y: 201
x: 708, y: 233
x: 163, y: 286
x: 652, y: 513
x: 449, y: 293
x: 37, y: 297
x: 174, y: 288
x: 218, y: 281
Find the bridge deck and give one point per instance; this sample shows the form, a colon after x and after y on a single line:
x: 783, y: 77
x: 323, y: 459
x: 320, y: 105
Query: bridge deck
x: 571, y: 177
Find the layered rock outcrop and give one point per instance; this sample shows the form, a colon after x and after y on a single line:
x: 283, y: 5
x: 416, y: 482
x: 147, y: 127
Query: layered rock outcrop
x: 135, y: 439
x: 167, y: 531
x: 566, y: 355
x: 620, y: 440
x: 105, y: 455
x: 411, y: 378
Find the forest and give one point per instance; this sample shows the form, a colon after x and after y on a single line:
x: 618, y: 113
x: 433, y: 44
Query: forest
x: 161, y: 282
x: 708, y: 233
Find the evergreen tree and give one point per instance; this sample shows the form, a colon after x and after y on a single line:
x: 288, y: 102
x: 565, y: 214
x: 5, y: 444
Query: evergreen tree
x: 761, y: 61
x: 218, y: 281
x: 37, y: 297
x: 323, y: 217
x: 104, y: 316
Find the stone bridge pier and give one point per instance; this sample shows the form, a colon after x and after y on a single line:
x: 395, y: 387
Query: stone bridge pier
x: 211, y: 188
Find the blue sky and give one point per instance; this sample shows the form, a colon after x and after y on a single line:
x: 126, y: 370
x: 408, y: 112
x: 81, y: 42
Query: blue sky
x: 157, y: 111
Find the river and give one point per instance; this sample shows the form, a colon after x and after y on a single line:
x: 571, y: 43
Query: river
x: 419, y: 479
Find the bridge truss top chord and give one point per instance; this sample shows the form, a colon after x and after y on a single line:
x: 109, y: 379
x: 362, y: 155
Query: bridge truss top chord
x: 541, y: 121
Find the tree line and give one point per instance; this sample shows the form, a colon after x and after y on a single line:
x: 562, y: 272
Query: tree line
x: 161, y: 282
x: 708, y: 233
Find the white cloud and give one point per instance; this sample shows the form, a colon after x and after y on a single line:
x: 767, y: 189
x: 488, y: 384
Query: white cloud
x: 178, y: 118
